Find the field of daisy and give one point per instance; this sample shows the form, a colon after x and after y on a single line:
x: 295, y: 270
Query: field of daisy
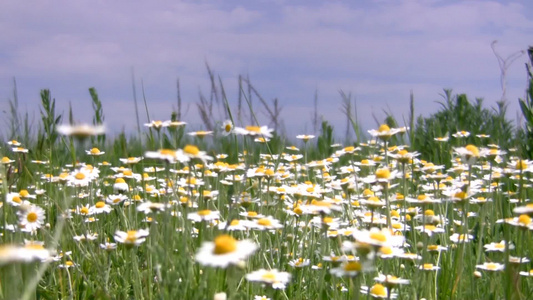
x: 240, y: 212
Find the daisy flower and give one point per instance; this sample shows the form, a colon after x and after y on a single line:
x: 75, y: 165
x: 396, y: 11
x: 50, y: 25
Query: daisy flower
x: 305, y: 137
x: 130, y: 160
x: 157, y: 124
x: 223, y: 251
x: 132, y: 237
x: 80, y: 131
x: 14, y: 143
x: 227, y: 127
x: 378, y: 291
x: 254, y: 130
x: 500, y: 247
x: 349, y: 269
x: 190, y: 152
x: 461, y: 238
x: 5, y: 160
x: 31, y: 217
x: 163, y: 154
x: 150, y: 207
x: 120, y: 185
x: 94, y: 152
x: 116, y: 199
x: 491, y: 267
x: 99, y: 207
x: 274, y: 278
x: 384, y: 132
x: 203, y: 215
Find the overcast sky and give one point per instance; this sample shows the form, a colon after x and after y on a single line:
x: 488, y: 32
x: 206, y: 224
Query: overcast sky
x: 377, y: 50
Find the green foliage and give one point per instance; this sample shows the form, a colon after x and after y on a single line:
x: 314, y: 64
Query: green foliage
x: 98, y: 117
x: 325, y: 140
x: 457, y: 113
x: 48, y: 135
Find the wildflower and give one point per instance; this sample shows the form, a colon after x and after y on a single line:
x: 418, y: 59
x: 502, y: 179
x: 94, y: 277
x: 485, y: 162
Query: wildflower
x: 491, y: 266
x: 31, y: 251
x: 149, y: 207
x: 349, y: 269
x: 130, y: 160
x: 163, y: 154
x: 461, y: 134
x: 384, y: 132
x: 31, y: 217
x: 461, y: 238
x: 5, y: 160
x: 200, y: 133
x: 108, y: 246
x: 254, y: 130
x: 469, y: 154
x: 500, y: 247
x: 390, y: 281
x: 267, y: 223
x: 14, y: 143
x: 116, y: 199
x: 120, y: 185
x: 190, y: 152
x: 227, y: 127
x: 99, y: 207
x: 429, y: 267
x: 275, y: 278
x: 378, y: 291
x: 157, y: 124
x: 132, y: 237
x: 80, y: 131
x: 223, y: 251
x: 94, y: 152
x: 19, y: 150
x: 14, y: 199
x: 261, y: 298
x: 175, y: 124
x: 299, y: 262
x: 203, y: 215
x: 305, y: 137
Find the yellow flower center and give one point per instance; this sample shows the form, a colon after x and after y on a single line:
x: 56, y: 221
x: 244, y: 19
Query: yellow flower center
x: 524, y: 220
x: 131, y: 237
x: 433, y: 247
x: 24, y: 193
x: 120, y: 180
x: 378, y: 290
x: 352, y: 266
x: 95, y: 151
x: 403, y: 152
x: 234, y: 222
x: 99, y: 204
x: 269, y: 276
x: 5, y: 159
x: 428, y: 266
x: 69, y: 263
x: 228, y: 127
x: 79, y: 176
x: 461, y: 195
x: 474, y: 151
x: 378, y: 236
x: 384, y: 128
x: 205, y: 212
x: 127, y: 173
x: 385, y: 250
x: 32, y: 217
x: 429, y: 212
x: 264, y: 222
x: 84, y: 210
x: 253, y: 128
x: 383, y: 173
x: 224, y: 244
x: 491, y: 266
x: 499, y: 246
x: 252, y: 214
x: 521, y: 165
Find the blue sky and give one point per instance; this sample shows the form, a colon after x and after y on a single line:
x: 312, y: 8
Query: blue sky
x: 377, y: 50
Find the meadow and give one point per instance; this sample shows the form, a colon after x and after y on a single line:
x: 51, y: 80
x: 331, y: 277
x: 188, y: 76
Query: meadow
x: 436, y: 209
